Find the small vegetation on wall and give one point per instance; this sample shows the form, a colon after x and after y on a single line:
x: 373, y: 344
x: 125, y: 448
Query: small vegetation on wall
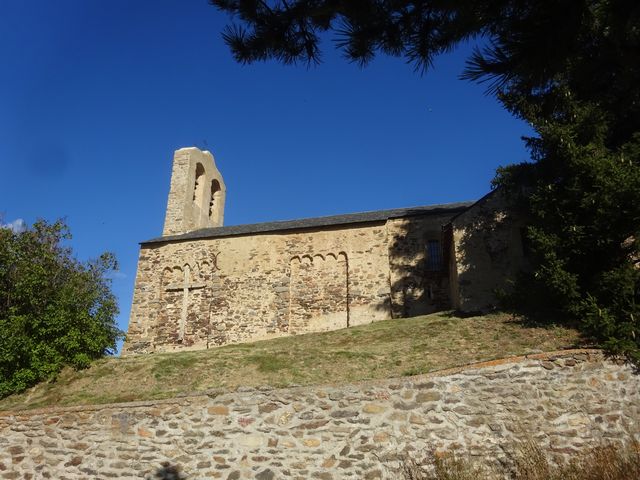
x: 54, y: 309
x: 529, y: 462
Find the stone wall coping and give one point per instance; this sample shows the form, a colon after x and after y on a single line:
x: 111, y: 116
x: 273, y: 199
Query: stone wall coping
x: 188, y: 397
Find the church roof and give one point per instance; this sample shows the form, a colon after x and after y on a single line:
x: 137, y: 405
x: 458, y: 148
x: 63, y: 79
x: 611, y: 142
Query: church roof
x: 315, y: 222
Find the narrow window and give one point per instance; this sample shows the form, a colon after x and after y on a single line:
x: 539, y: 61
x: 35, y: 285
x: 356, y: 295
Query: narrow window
x: 434, y: 256
x: 213, y: 199
x: 198, y: 186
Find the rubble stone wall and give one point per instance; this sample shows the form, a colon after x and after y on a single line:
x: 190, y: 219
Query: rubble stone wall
x: 419, y: 271
x: 203, y: 293
x: 487, y: 253
x: 197, y: 193
x: 566, y: 401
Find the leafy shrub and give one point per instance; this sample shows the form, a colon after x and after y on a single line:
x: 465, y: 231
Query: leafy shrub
x: 54, y: 309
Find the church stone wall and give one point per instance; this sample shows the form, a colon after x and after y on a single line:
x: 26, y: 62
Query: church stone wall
x: 197, y: 193
x: 487, y: 253
x: 207, y: 292
x: 566, y: 401
x: 232, y: 287
x: 419, y: 284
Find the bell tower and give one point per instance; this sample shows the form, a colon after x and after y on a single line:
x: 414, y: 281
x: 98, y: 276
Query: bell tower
x: 197, y: 193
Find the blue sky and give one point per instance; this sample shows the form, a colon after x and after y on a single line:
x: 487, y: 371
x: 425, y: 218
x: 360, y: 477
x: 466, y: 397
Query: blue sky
x: 96, y: 95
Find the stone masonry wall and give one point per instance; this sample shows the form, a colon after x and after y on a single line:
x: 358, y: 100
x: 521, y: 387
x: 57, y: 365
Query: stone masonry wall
x: 419, y: 284
x: 566, y: 400
x: 202, y: 293
x: 192, y: 202
x: 487, y: 251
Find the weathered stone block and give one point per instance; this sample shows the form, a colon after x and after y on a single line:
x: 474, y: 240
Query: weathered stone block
x: 218, y: 410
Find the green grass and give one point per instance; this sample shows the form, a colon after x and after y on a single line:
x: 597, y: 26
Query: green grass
x: 268, y: 362
x: 392, y: 348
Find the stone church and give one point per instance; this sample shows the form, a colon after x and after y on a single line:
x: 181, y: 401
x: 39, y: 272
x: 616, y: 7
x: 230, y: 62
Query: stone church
x: 202, y: 284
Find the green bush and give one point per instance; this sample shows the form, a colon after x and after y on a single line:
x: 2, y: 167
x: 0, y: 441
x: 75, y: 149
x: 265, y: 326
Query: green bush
x: 582, y: 200
x: 54, y: 309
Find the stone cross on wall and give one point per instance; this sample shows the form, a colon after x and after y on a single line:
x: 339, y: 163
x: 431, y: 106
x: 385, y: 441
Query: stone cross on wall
x: 185, y: 287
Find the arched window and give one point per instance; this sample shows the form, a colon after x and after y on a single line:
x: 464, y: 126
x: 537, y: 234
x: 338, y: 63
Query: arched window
x: 214, y: 198
x: 198, y: 187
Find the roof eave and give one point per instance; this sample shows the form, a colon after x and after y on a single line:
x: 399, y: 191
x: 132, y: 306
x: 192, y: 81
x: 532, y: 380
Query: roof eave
x: 379, y: 216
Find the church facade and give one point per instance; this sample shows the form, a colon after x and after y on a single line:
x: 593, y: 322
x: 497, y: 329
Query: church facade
x: 202, y: 284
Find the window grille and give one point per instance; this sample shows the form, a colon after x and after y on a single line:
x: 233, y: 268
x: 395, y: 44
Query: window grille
x: 434, y: 255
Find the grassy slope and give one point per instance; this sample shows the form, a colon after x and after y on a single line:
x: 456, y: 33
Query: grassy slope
x: 385, y: 349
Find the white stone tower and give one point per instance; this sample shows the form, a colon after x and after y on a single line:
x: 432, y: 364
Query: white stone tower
x: 197, y: 193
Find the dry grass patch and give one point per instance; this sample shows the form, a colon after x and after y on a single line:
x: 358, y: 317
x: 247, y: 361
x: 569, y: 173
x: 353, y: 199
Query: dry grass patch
x: 619, y: 461
x: 386, y: 349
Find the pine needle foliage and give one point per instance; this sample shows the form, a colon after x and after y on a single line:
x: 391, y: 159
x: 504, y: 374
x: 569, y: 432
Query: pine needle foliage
x: 571, y: 69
